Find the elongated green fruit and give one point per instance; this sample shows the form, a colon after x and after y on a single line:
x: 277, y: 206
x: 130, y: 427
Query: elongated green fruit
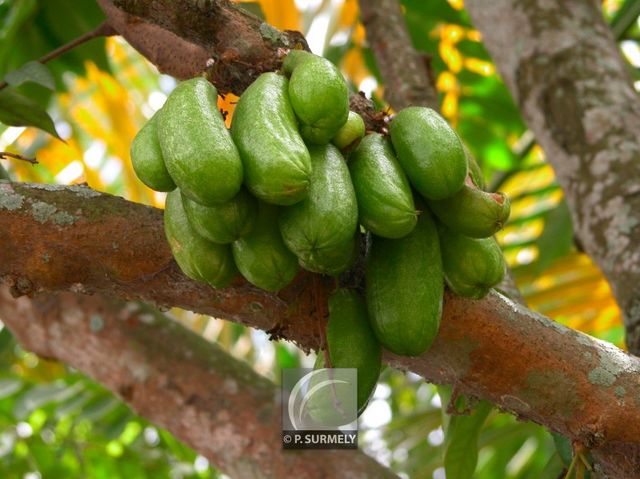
x: 473, y: 212
x: 319, y: 95
x: 331, y: 400
x: 276, y: 161
x: 197, y: 257
x: 351, y: 341
x: 385, y: 201
x: 351, y: 131
x: 429, y: 151
x: 471, y: 266
x: 405, y: 285
x: 262, y: 257
x: 198, y: 150
x: 147, y: 160
x: 225, y: 222
x: 319, y: 228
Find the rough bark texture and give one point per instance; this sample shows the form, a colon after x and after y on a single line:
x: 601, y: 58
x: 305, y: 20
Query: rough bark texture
x: 216, y: 404
x: 405, y: 72
x: 240, y: 44
x: 564, y: 69
x: 73, y: 238
x: 228, y: 44
x: 167, y: 51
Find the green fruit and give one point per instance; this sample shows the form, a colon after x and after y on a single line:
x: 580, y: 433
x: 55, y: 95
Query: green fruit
x: 351, y: 341
x: 475, y: 172
x: 197, y: 148
x: 319, y: 95
x: 350, y: 132
x: 405, y: 285
x: 198, y: 258
x: 471, y: 266
x: 331, y: 401
x: 276, y: 161
x: 147, y: 160
x: 473, y: 212
x: 320, y: 227
x: 429, y: 151
x: 334, y: 260
x: 225, y: 222
x: 261, y: 255
x: 385, y: 201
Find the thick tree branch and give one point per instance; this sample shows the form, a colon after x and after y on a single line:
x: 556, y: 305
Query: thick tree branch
x: 170, y: 53
x: 405, y: 72
x: 564, y: 69
x: 241, y: 45
x: 216, y: 404
x: 73, y: 238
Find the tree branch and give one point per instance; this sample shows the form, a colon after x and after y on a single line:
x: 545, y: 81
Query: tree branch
x: 565, y: 71
x: 164, y: 39
x: 241, y: 45
x: 102, y: 30
x: 216, y: 404
x: 405, y: 72
x: 73, y: 238
x: 7, y: 155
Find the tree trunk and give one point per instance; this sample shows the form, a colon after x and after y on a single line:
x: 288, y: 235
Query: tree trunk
x: 566, y: 74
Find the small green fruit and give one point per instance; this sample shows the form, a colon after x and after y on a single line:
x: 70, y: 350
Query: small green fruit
x: 429, y: 151
x: 320, y: 229
x: 473, y: 212
x: 147, y: 160
x: 350, y: 132
x: 471, y: 266
x: 352, y: 343
x: 225, y: 222
x: 276, y: 161
x: 405, y: 284
x: 197, y: 148
x: 197, y: 257
x: 385, y: 200
x: 261, y: 255
x: 319, y: 95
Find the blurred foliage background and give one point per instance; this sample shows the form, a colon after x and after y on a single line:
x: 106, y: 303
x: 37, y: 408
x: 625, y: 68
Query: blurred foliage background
x: 56, y: 423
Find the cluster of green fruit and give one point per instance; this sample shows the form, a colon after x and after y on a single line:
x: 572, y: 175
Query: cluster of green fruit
x: 275, y: 193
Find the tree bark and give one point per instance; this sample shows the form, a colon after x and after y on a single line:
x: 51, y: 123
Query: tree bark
x: 214, y: 403
x: 73, y: 238
x: 44, y: 230
x: 563, y: 67
x: 405, y: 72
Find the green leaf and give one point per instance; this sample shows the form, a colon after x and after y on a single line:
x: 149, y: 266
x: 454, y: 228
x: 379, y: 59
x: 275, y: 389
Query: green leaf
x: 31, y: 72
x: 563, y: 447
x: 286, y: 358
x: 18, y: 110
x: 9, y: 386
x: 41, y: 395
x: 461, y: 455
x: 6, y: 338
x: 556, y: 239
